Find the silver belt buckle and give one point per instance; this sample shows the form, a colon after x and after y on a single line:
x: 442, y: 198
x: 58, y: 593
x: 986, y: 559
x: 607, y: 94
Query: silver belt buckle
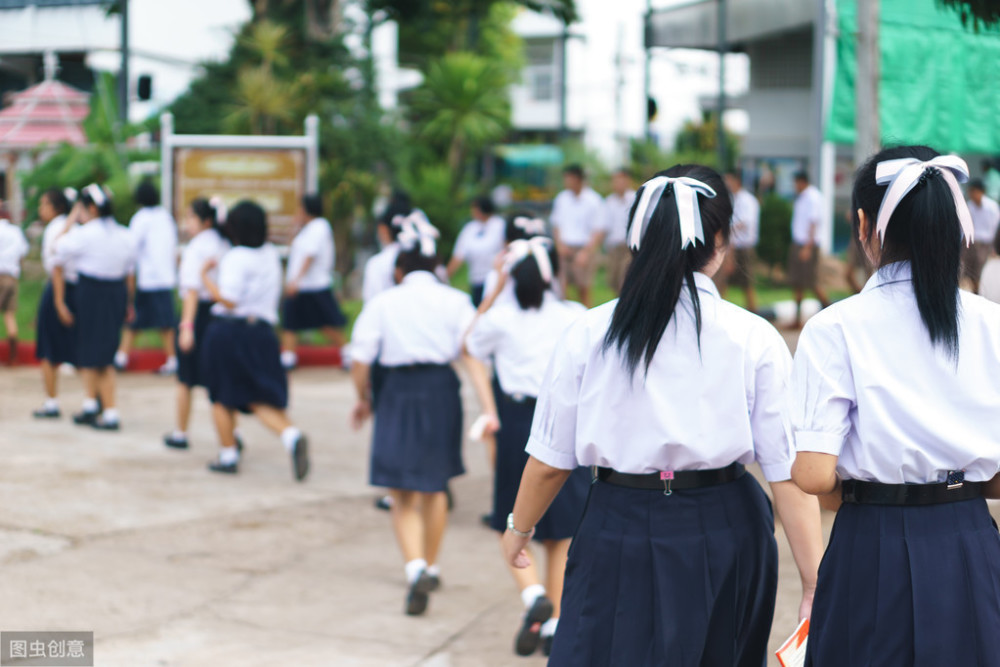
x: 956, y: 479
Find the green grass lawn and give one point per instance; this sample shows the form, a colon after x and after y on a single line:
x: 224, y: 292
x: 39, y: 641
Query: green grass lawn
x: 31, y: 292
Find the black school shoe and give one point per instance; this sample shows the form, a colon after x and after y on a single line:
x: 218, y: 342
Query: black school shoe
x: 42, y: 413
x: 102, y: 425
x: 547, y: 645
x: 300, y: 458
x: 86, y: 418
x: 224, y: 468
x: 175, y: 443
x: 418, y: 595
x: 529, y: 636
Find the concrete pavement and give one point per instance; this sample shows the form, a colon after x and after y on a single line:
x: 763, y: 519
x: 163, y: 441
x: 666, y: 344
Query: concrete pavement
x: 171, y: 565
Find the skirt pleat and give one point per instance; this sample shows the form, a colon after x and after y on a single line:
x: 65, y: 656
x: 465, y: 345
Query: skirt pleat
x: 909, y: 586
x: 55, y: 342
x: 154, y: 309
x: 686, y: 579
x: 310, y: 310
x: 101, y: 306
x: 241, y: 363
x: 417, y: 440
x: 189, y: 368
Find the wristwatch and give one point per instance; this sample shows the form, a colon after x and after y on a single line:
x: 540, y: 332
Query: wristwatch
x: 511, y: 528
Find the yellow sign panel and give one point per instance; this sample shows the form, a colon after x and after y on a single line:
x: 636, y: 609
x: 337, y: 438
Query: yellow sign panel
x: 274, y: 178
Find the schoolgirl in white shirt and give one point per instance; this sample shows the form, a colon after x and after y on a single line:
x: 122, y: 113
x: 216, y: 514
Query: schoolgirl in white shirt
x: 55, y: 343
x: 380, y: 270
x: 670, y: 392
x: 154, y: 233
x: 519, y: 339
x: 13, y: 248
x: 206, y: 244
x: 240, y: 356
x: 896, y: 394
x: 415, y: 330
x: 309, y: 300
x: 518, y: 226
x: 102, y: 253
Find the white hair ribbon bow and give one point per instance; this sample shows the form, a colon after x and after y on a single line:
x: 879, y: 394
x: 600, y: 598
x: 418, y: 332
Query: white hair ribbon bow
x: 416, y: 230
x: 686, y: 191
x: 221, y: 210
x: 70, y: 194
x: 902, y: 175
x: 96, y: 194
x: 530, y: 226
x: 537, y: 247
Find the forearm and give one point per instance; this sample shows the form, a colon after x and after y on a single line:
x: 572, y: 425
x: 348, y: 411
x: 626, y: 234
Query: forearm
x: 540, y: 484
x: 130, y: 285
x: 454, y: 264
x: 992, y: 489
x: 189, y: 307
x: 815, y: 473
x: 306, y: 265
x: 800, y: 517
x: 59, y: 285
x: 361, y: 376
x: 480, y: 377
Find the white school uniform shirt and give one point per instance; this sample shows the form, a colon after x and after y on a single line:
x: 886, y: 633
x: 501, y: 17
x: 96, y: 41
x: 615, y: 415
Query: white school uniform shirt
x: 155, y: 236
x: 616, y: 210
x: 989, y: 281
x: 871, y: 389
x: 478, y: 244
x: 315, y: 240
x: 251, y: 279
x: 577, y: 217
x: 13, y: 248
x: 807, y: 211
x: 53, y: 230
x: 746, y: 212
x: 985, y: 220
x: 521, y: 342
x: 419, y: 321
x: 206, y: 245
x: 100, y: 248
x: 693, y: 410
x: 380, y: 272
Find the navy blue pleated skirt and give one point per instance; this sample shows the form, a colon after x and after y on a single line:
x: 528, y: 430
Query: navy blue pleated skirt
x: 241, y: 362
x: 189, y: 363
x: 154, y: 309
x: 417, y: 443
x: 563, y: 516
x: 55, y: 342
x: 685, y: 580
x: 306, y: 311
x: 100, y: 315
x: 915, y: 586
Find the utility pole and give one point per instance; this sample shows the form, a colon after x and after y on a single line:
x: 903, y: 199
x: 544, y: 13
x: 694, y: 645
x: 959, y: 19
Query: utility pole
x: 648, y: 63
x: 723, y: 47
x: 123, y: 77
x: 563, y: 90
x: 867, y: 138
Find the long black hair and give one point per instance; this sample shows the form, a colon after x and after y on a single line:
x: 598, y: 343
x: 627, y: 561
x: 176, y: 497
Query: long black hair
x: 205, y: 212
x: 924, y: 230
x: 529, y: 286
x: 660, y: 269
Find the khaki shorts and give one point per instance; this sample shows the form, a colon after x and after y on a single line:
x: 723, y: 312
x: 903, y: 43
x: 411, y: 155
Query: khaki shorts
x: 802, y: 274
x: 8, y: 293
x: 744, y: 260
x: 619, y: 258
x: 571, y: 273
x: 974, y: 259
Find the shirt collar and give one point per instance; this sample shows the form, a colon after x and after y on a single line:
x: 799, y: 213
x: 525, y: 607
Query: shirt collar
x: 890, y: 274
x: 705, y: 284
x: 418, y: 277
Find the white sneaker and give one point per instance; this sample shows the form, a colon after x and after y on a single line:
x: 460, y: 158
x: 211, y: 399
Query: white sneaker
x: 168, y: 368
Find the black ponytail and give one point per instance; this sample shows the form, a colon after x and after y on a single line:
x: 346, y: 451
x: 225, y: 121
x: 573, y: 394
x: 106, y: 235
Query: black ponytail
x: 205, y: 212
x: 924, y: 230
x: 660, y: 269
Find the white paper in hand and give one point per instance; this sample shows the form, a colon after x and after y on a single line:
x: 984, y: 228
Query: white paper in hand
x: 793, y: 652
x: 478, y: 429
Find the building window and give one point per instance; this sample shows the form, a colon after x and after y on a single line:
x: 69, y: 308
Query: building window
x: 541, y: 73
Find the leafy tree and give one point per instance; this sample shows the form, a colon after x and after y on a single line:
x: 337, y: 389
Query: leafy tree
x: 978, y: 13
x: 775, y: 230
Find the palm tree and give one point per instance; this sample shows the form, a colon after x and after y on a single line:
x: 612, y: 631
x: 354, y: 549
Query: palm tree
x: 462, y: 106
x: 262, y: 98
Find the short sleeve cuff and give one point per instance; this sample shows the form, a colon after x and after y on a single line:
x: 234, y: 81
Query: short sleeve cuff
x: 549, y: 456
x: 815, y: 441
x: 777, y: 472
x: 363, y: 354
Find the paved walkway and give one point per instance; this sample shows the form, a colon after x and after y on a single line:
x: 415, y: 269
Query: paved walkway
x: 170, y: 565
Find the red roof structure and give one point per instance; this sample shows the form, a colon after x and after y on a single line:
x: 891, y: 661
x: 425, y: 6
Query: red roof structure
x: 48, y: 113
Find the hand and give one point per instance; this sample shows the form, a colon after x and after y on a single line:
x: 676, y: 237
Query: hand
x: 130, y: 314
x: 64, y: 314
x: 291, y: 289
x: 209, y: 265
x: 360, y: 414
x: 805, y: 608
x: 514, y: 551
x: 186, y: 339
x: 562, y: 250
x: 492, y: 424
x: 806, y: 253
x: 582, y: 259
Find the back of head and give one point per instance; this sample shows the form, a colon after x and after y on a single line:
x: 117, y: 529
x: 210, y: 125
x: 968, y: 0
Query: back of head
x: 662, y: 266
x: 147, y: 194
x: 246, y: 225
x: 485, y: 205
x: 312, y: 204
x: 98, y: 197
x: 924, y: 230
x: 521, y: 225
x: 205, y: 212
x: 399, y: 204
x: 530, y: 282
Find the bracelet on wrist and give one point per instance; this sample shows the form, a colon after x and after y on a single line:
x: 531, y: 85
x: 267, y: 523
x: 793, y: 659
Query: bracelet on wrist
x: 511, y: 528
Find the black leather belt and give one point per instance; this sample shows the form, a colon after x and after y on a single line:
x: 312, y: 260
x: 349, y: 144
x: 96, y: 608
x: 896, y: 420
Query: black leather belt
x: 673, y: 481
x: 874, y: 493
